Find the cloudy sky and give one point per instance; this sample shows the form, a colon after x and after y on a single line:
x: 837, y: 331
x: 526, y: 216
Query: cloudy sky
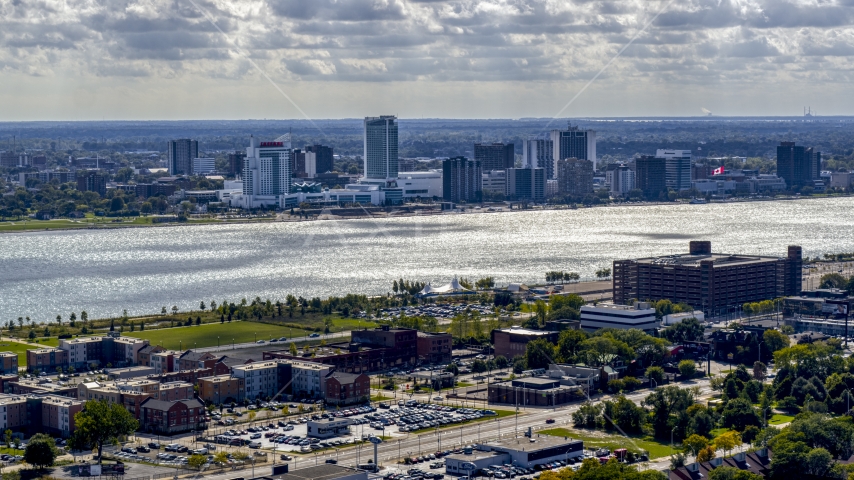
x: 164, y: 59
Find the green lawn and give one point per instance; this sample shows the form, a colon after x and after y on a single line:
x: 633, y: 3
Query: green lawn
x: 778, y: 419
x: 205, y: 335
x: 656, y: 449
x: 19, y: 348
x: 379, y: 398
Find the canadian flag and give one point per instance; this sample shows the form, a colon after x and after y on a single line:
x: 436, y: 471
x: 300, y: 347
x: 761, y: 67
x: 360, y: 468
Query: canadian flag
x: 718, y: 171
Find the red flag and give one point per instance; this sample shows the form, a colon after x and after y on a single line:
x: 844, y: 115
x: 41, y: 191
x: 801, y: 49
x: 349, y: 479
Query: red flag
x: 718, y: 171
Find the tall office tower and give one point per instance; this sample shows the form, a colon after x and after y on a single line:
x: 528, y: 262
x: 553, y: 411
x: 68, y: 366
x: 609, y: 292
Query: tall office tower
x: 297, y: 163
x: 678, y: 166
x: 496, y: 156
x: 180, y: 154
x: 92, y: 181
x: 574, y: 177
x: 266, y: 172
x: 574, y: 143
x: 235, y: 163
x: 318, y: 159
x: 537, y: 152
x: 526, y: 184
x: 380, y: 138
x: 798, y: 166
x: 461, y: 180
x: 651, y: 176
x: 623, y: 180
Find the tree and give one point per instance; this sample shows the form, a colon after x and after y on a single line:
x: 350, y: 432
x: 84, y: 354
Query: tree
x: 775, y: 340
x: 569, y: 345
x: 655, y: 373
x: 738, y: 414
x: 728, y: 441
x: 688, y: 330
x: 759, y: 370
x: 833, y: 280
x: 604, y: 350
x: 101, y: 422
x: 706, y: 454
x: 501, y: 362
x: 7, y: 437
x: 478, y: 366
x: 221, y: 457
x: 732, y: 473
x: 538, y: 354
x: 694, y: 443
x: 196, y: 461
x: 453, y: 368
x: 687, y: 368
x: 668, y: 404
x: 41, y: 451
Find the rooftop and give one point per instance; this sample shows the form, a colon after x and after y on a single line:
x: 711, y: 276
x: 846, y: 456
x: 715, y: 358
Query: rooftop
x: 44, y: 350
x: 318, y: 472
x: 538, y: 442
x: 718, y: 259
x: 525, y: 331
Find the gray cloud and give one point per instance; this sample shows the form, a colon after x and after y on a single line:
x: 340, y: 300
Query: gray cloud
x: 425, y: 40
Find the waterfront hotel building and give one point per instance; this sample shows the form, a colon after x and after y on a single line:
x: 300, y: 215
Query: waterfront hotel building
x: 712, y: 282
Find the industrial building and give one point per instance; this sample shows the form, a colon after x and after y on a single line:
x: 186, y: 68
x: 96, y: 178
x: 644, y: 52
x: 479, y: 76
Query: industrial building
x: 712, y: 282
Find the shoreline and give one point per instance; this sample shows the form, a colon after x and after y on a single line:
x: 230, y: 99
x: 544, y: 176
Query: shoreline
x: 481, y: 209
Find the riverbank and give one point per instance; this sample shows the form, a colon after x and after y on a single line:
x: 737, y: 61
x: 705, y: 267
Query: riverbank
x: 103, y: 223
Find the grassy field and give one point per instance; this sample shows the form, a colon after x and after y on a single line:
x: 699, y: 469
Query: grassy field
x: 19, y: 348
x: 208, y: 335
x: 779, y: 419
x: 656, y: 449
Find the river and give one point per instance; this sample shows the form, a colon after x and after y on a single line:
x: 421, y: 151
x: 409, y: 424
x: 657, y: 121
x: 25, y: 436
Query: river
x: 106, y: 271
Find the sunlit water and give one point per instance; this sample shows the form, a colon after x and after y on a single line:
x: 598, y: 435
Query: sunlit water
x: 141, y: 270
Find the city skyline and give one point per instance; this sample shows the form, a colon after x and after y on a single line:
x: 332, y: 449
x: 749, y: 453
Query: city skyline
x: 467, y: 59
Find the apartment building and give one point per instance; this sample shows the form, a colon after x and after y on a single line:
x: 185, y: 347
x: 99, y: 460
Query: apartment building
x: 173, y: 391
x: 222, y: 388
x: 261, y: 379
x: 309, y: 378
x: 164, y: 362
x: 144, y: 354
x: 46, y: 359
x: 83, y: 351
x: 191, y: 360
x: 8, y: 362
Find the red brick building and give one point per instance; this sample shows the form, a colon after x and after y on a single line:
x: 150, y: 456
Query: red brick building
x: 9, y: 362
x: 512, y: 342
x: 46, y: 359
x: 434, y: 347
x: 347, y: 388
x: 163, y: 417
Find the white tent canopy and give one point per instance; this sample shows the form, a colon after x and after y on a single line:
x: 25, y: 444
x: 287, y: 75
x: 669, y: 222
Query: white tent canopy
x: 453, y: 287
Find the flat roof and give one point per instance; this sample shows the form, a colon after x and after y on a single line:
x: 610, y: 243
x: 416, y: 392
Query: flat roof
x: 475, y: 455
x: 318, y: 472
x: 719, y: 259
x: 525, y: 331
x: 539, y: 442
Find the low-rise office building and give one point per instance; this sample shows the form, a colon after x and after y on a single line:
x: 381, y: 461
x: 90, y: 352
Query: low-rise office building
x: 523, y: 452
x: 639, y: 315
x: 328, y: 427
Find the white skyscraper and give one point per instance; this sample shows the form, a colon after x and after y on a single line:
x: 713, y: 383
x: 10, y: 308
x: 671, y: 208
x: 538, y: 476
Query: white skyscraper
x: 380, y: 136
x: 537, y: 152
x: 678, y: 168
x: 266, y: 173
